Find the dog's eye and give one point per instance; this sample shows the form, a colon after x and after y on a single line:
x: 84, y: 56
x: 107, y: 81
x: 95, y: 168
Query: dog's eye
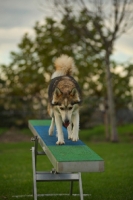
x: 70, y: 108
x: 62, y: 108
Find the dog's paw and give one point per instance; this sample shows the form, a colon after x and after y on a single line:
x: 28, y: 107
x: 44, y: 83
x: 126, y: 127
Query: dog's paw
x: 74, y: 138
x: 69, y: 137
x: 51, y: 131
x: 60, y: 142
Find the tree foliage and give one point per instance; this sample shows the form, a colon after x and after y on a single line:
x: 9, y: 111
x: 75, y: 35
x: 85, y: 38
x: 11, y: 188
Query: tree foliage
x: 25, y: 80
x: 110, y: 20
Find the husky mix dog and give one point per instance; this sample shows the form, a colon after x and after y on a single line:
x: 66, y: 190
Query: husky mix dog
x: 64, y: 99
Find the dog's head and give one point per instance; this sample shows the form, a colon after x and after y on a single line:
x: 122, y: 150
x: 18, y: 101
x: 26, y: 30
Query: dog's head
x: 66, y: 103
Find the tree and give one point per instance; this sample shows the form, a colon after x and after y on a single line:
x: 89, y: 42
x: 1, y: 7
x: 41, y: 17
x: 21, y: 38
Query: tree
x: 28, y: 75
x: 120, y: 18
x: 111, y: 19
x: 23, y: 84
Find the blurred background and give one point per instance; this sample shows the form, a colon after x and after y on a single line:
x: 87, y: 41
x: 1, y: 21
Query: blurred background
x: 97, y: 34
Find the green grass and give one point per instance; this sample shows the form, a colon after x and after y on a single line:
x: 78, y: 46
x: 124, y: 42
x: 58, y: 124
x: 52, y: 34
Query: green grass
x: 3, y: 130
x: 26, y: 131
x: 113, y: 184
x: 97, y: 134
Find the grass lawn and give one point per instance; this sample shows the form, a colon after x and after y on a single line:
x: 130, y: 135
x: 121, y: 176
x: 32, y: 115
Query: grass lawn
x: 113, y: 184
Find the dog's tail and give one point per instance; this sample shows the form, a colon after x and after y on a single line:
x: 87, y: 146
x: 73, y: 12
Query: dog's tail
x: 64, y: 65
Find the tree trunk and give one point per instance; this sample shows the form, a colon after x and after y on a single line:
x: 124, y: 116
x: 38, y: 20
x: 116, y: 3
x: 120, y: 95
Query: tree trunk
x: 106, y: 120
x: 114, y: 135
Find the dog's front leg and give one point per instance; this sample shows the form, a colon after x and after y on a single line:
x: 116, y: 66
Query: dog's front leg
x: 75, y: 131
x: 51, y: 129
x: 69, y: 129
x: 58, y: 122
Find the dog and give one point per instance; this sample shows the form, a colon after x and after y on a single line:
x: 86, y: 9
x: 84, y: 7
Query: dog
x: 64, y: 96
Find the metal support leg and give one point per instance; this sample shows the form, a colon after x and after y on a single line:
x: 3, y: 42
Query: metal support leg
x: 71, y: 188
x: 34, y: 174
x: 36, y: 149
x: 80, y: 187
x: 35, y: 140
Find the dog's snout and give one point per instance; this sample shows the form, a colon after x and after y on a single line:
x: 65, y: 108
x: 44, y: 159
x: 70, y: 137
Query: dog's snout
x: 67, y: 121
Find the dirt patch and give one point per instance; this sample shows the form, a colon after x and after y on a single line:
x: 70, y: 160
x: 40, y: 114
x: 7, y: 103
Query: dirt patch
x: 14, y: 135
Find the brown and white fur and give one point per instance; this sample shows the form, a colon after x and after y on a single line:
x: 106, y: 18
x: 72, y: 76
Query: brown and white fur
x: 64, y: 99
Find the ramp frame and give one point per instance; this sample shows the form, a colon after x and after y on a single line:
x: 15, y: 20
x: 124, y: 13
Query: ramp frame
x: 43, y: 176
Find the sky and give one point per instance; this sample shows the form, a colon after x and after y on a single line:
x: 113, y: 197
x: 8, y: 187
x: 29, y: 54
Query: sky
x: 19, y: 16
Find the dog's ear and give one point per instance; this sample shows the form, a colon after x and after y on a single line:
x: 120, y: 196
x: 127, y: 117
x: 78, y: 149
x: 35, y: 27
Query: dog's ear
x: 56, y: 95
x: 74, y: 93
x: 57, y: 92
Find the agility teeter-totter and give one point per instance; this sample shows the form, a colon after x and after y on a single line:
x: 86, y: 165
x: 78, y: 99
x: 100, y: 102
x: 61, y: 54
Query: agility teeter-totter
x: 68, y: 160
